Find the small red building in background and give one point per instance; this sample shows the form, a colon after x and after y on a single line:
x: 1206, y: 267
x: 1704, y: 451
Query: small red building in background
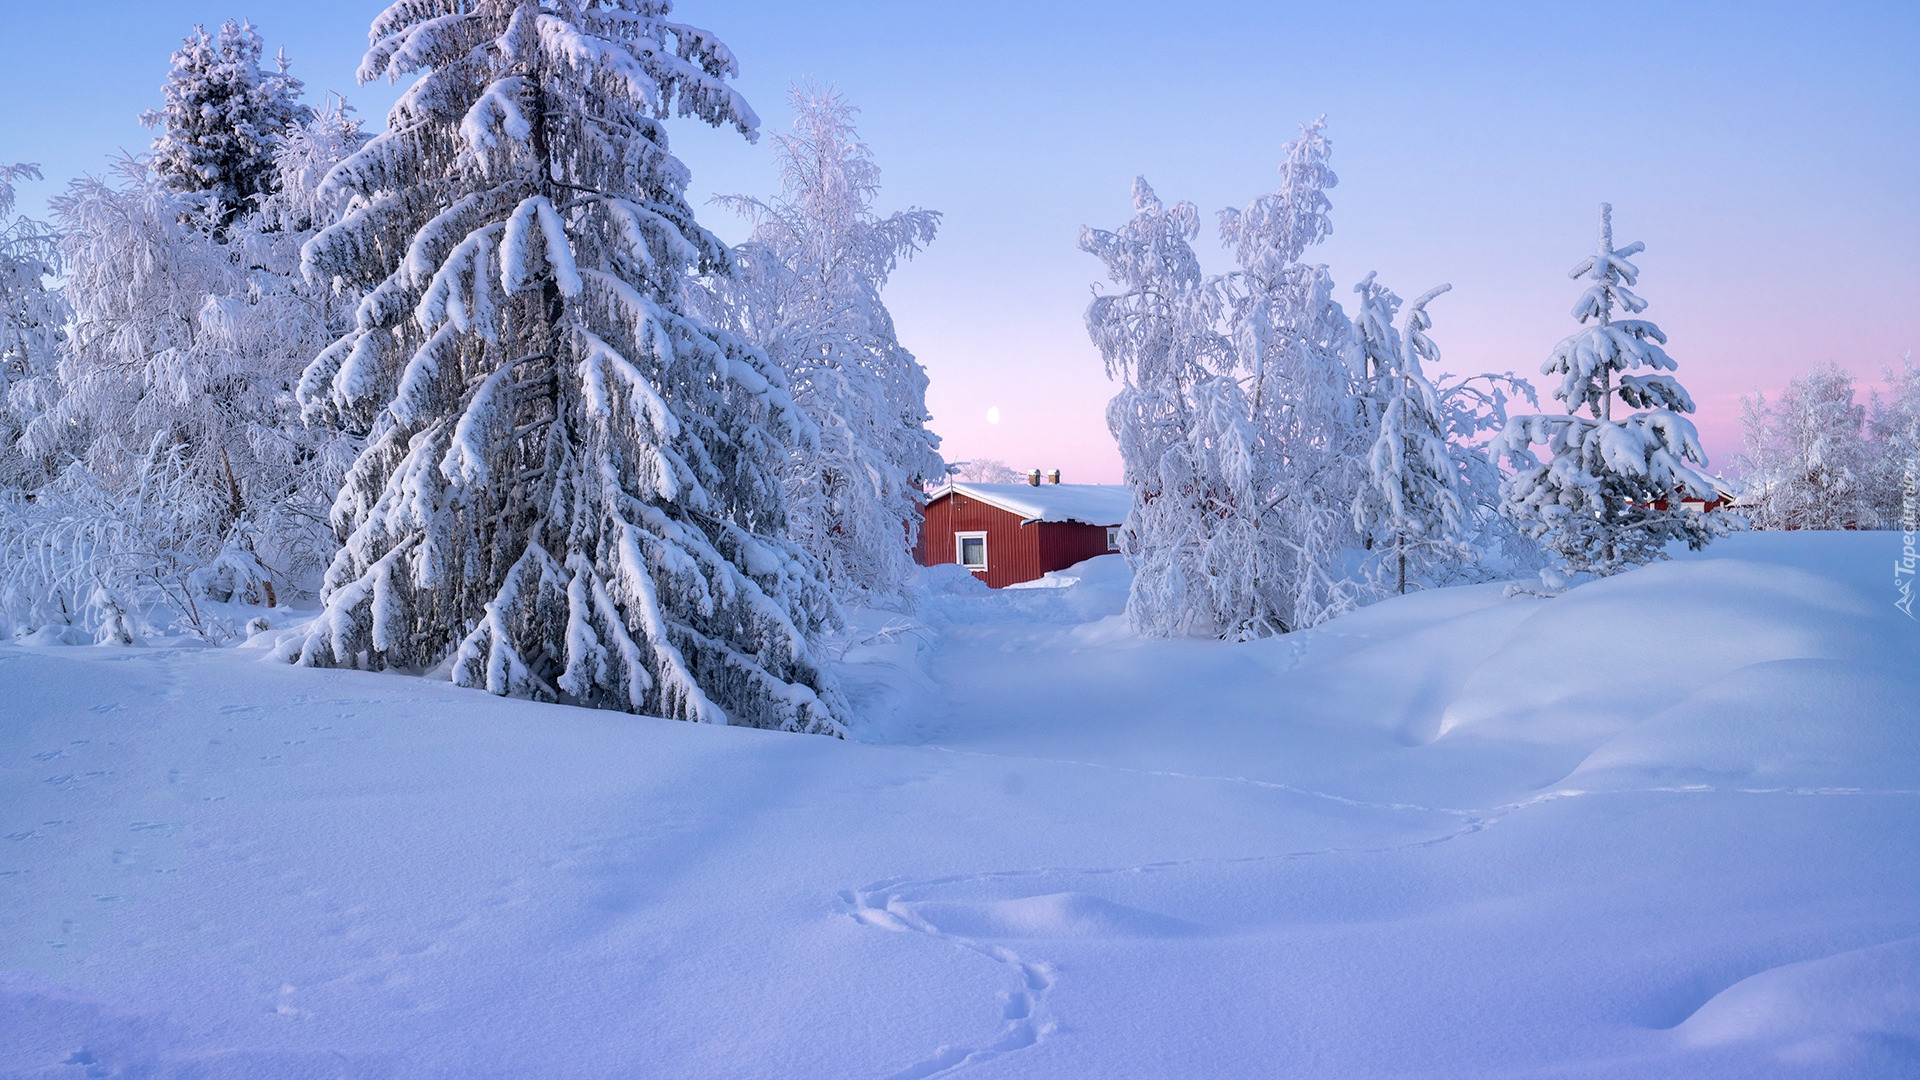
x: 1009, y: 533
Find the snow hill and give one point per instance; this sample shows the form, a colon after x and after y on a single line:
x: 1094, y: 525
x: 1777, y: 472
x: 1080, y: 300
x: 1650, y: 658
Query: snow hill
x: 1661, y: 826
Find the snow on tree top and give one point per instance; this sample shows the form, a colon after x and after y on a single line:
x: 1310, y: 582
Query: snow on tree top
x: 1089, y: 504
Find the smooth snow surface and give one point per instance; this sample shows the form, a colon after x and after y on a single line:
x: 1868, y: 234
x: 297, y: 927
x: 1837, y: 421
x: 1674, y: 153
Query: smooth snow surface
x: 1661, y: 826
x: 1088, y: 504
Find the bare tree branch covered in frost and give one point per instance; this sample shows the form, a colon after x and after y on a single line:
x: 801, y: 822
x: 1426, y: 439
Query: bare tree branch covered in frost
x: 1810, y: 464
x: 806, y: 289
x: 571, y: 489
x: 224, y: 118
x: 1607, y: 499
x: 176, y: 467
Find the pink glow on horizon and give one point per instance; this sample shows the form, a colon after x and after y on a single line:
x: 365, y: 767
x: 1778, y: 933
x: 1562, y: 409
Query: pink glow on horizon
x: 1047, y: 379
x: 1057, y: 418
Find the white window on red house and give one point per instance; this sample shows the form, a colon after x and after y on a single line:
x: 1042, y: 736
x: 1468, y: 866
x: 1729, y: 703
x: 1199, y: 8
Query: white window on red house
x: 1113, y: 538
x: 970, y: 550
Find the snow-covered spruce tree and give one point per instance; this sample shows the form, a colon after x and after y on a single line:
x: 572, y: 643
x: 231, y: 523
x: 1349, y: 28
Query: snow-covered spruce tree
x: 31, y: 317
x: 1809, y: 463
x: 1184, y: 429
x: 806, y: 290
x: 1410, y: 505
x: 1608, y: 497
x: 571, y: 489
x: 223, y: 117
x: 1291, y: 339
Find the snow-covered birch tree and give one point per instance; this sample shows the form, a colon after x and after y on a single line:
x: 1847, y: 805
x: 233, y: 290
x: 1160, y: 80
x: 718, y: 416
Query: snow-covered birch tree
x: 223, y: 117
x: 1608, y: 497
x: 1809, y: 462
x: 32, y: 314
x: 985, y: 471
x: 1291, y: 338
x: 1894, y: 425
x: 806, y: 289
x: 1185, y: 431
x: 1237, y: 419
x: 1410, y: 504
x: 571, y: 489
x: 173, y: 464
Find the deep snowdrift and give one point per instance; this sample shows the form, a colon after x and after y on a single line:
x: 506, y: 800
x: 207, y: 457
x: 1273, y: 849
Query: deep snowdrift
x: 1663, y: 825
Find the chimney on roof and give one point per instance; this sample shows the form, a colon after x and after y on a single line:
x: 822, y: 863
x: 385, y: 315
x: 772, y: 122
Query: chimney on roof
x: 1034, y: 478
x: 1053, y: 477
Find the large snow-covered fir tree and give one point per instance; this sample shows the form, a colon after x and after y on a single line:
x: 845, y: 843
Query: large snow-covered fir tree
x: 571, y: 489
x: 1809, y: 462
x: 223, y: 117
x: 1410, y: 506
x: 1608, y: 497
x: 806, y: 289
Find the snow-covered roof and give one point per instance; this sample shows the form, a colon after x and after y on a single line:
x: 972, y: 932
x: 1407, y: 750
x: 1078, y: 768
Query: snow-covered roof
x: 1089, y: 504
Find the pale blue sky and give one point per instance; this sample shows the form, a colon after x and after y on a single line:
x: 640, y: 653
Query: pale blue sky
x: 1766, y: 153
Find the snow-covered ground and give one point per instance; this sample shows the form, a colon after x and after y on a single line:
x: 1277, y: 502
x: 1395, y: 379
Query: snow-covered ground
x: 1664, y: 825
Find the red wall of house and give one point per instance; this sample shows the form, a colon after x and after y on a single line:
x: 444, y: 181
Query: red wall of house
x: 1063, y: 543
x: 1015, y: 552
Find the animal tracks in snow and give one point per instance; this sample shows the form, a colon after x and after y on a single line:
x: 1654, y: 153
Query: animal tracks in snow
x: 1004, y: 915
x: 982, y: 913
x: 1025, y: 1019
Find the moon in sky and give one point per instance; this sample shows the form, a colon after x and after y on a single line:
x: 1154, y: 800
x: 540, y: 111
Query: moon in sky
x: 993, y: 414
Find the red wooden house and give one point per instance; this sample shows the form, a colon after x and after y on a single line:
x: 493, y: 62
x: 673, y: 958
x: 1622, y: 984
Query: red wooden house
x: 1722, y: 499
x: 1009, y: 533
